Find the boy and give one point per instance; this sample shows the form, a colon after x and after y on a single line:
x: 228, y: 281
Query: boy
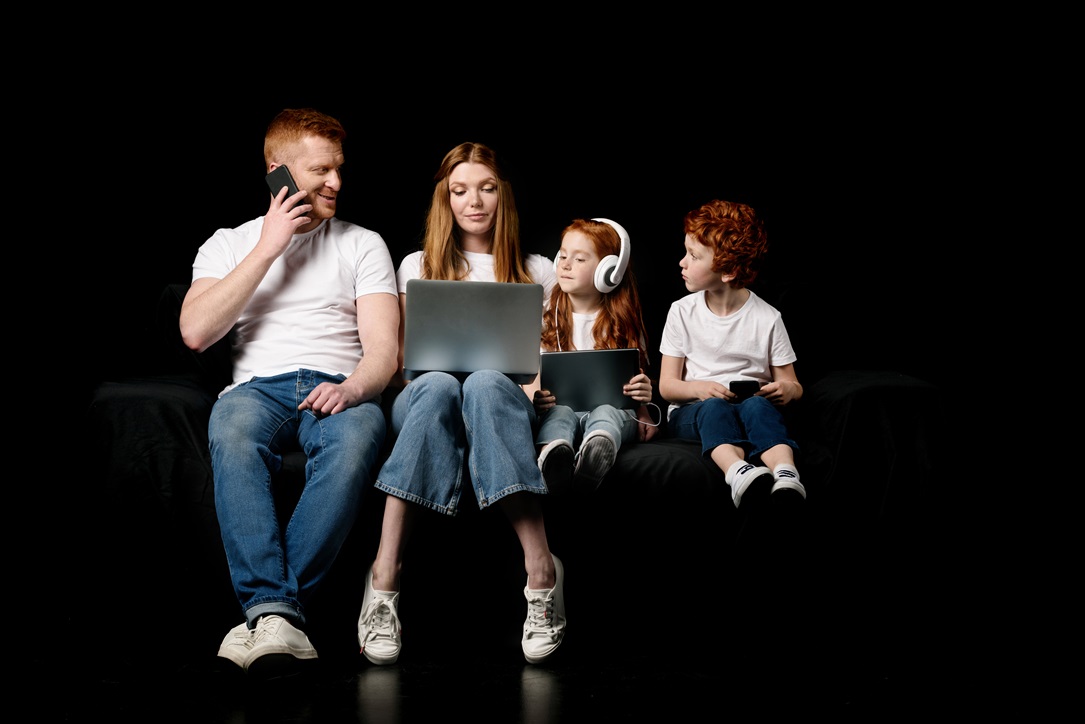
x: 722, y: 333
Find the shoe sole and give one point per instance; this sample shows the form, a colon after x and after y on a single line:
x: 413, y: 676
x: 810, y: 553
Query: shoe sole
x: 278, y: 666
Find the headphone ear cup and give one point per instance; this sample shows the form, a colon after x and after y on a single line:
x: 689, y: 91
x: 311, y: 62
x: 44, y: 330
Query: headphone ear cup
x: 557, y: 258
x: 607, y: 265
x: 611, y: 269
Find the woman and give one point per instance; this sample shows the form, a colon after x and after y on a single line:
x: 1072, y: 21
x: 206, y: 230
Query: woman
x: 472, y: 234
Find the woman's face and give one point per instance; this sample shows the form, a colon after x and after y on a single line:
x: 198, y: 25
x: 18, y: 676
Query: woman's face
x: 472, y: 194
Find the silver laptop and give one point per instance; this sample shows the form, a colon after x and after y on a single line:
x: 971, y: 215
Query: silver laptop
x: 585, y: 379
x: 461, y: 327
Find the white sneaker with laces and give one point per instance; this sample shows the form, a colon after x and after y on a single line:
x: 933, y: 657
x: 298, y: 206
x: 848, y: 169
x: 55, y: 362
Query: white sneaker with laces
x: 545, y: 624
x: 379, y: 629
x: 276, y: 635
x: 237, y: 645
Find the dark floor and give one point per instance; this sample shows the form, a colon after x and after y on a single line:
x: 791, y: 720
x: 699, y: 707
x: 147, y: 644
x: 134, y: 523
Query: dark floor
x: 676, y: 675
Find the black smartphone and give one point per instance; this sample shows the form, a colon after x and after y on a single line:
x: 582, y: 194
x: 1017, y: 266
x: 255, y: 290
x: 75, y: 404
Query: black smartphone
x: 279, y: 177
x: 745, y: 388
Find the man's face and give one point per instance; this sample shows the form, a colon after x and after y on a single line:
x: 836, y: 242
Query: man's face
x: 316, y: 170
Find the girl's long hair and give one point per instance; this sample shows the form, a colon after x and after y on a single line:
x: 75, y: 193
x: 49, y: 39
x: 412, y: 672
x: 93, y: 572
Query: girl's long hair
x: 620, y: 322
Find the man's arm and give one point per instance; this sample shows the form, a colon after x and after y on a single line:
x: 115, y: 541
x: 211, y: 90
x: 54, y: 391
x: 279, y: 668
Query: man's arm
x: 212, y: 306
x: 378, y: 330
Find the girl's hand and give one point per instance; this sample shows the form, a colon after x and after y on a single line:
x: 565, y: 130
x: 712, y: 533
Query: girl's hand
x: 639, y: 388
x: 543, y: 401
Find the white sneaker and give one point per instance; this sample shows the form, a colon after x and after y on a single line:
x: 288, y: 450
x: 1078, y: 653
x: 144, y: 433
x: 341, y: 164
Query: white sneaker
x: 749, y: 478
x: 379, y: 629
x: 545, y: 624
x: 237, y: 645
x: 276, y: 635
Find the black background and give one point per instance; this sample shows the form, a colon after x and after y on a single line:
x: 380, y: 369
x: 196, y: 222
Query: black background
x: 828, y: 161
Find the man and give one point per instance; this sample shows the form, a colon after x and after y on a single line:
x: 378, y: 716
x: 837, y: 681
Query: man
x: 312, y: 305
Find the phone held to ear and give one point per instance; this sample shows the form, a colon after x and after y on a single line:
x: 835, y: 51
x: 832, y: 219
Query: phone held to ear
x: 744, y: 388
x: 279, y: 177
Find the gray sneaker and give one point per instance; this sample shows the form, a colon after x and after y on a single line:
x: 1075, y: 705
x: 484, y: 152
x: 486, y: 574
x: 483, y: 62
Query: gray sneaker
x: 596, y: 457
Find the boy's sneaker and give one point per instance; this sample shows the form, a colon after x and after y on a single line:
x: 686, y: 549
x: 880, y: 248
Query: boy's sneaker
x: 596, y: 457
x: 276, y: 635
x: 556, y: 464
x: 751, y: 481
x: 545, y: 624
x: 237, y: 645
x: 379, y: 629
x: 788, y: 491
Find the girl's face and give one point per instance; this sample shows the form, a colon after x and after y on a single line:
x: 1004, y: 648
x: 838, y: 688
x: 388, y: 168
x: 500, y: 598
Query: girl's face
x: 697, y: 268
x: 576, y: 262
x: 473, y: 197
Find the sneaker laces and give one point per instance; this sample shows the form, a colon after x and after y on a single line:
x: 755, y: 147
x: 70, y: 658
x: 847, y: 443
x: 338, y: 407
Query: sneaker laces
x: 540, y: 616
x: 381, y: 621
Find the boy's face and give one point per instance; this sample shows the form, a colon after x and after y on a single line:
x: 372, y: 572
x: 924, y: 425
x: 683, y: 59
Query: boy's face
x: 575, y: 264
x: 315, y: 169
x: 697, y: 268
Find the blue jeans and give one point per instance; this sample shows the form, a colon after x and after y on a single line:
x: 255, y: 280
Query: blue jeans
x: 275, y: 570
x: 561, y: 423
x: 754, y: 424
x: 436, y: 421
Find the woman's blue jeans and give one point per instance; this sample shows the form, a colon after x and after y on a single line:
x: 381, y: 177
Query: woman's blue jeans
x: 437, y: 421
x: 274, y: 569
x: 754, y: 424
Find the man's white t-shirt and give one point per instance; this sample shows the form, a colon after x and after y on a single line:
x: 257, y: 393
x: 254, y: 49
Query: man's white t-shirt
x: 304, y: 313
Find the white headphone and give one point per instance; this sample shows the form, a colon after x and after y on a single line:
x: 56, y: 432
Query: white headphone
x: 611, y: 269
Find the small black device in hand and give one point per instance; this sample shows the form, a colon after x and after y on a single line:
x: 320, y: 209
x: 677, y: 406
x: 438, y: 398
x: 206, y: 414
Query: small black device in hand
x: 279, y: 177
x: 744, y: 388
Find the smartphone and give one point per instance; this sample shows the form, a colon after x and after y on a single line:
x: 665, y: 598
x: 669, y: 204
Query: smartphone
x: 745, y: 388
x: 280, y: 177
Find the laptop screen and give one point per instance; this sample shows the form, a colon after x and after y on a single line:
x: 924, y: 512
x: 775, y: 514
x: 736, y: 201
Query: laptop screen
x: 461, y: 327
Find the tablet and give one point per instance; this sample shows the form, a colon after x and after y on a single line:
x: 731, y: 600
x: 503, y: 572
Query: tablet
x: 586, y: 379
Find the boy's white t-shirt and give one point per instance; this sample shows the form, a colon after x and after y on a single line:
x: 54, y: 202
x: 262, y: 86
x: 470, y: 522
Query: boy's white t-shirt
x: 745, y: 345
x: 303, y: 314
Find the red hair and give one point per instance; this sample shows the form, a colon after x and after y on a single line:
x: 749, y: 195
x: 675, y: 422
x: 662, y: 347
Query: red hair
x: 736, y: 236
x: 620, y: 322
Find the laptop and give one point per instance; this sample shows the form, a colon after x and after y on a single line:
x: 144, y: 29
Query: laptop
x: 585, y: 379
x: 462, y: 327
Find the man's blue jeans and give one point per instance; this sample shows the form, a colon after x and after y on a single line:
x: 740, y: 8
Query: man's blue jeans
x: 275, y: 570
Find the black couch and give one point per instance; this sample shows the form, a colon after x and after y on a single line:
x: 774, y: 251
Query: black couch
x: 853, y: 568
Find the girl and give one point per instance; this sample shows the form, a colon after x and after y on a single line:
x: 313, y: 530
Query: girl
x: 595, y: 305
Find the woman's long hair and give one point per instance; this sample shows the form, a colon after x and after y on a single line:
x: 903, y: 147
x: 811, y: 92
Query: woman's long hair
x: 442, y: 247
x: 620, y: 322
